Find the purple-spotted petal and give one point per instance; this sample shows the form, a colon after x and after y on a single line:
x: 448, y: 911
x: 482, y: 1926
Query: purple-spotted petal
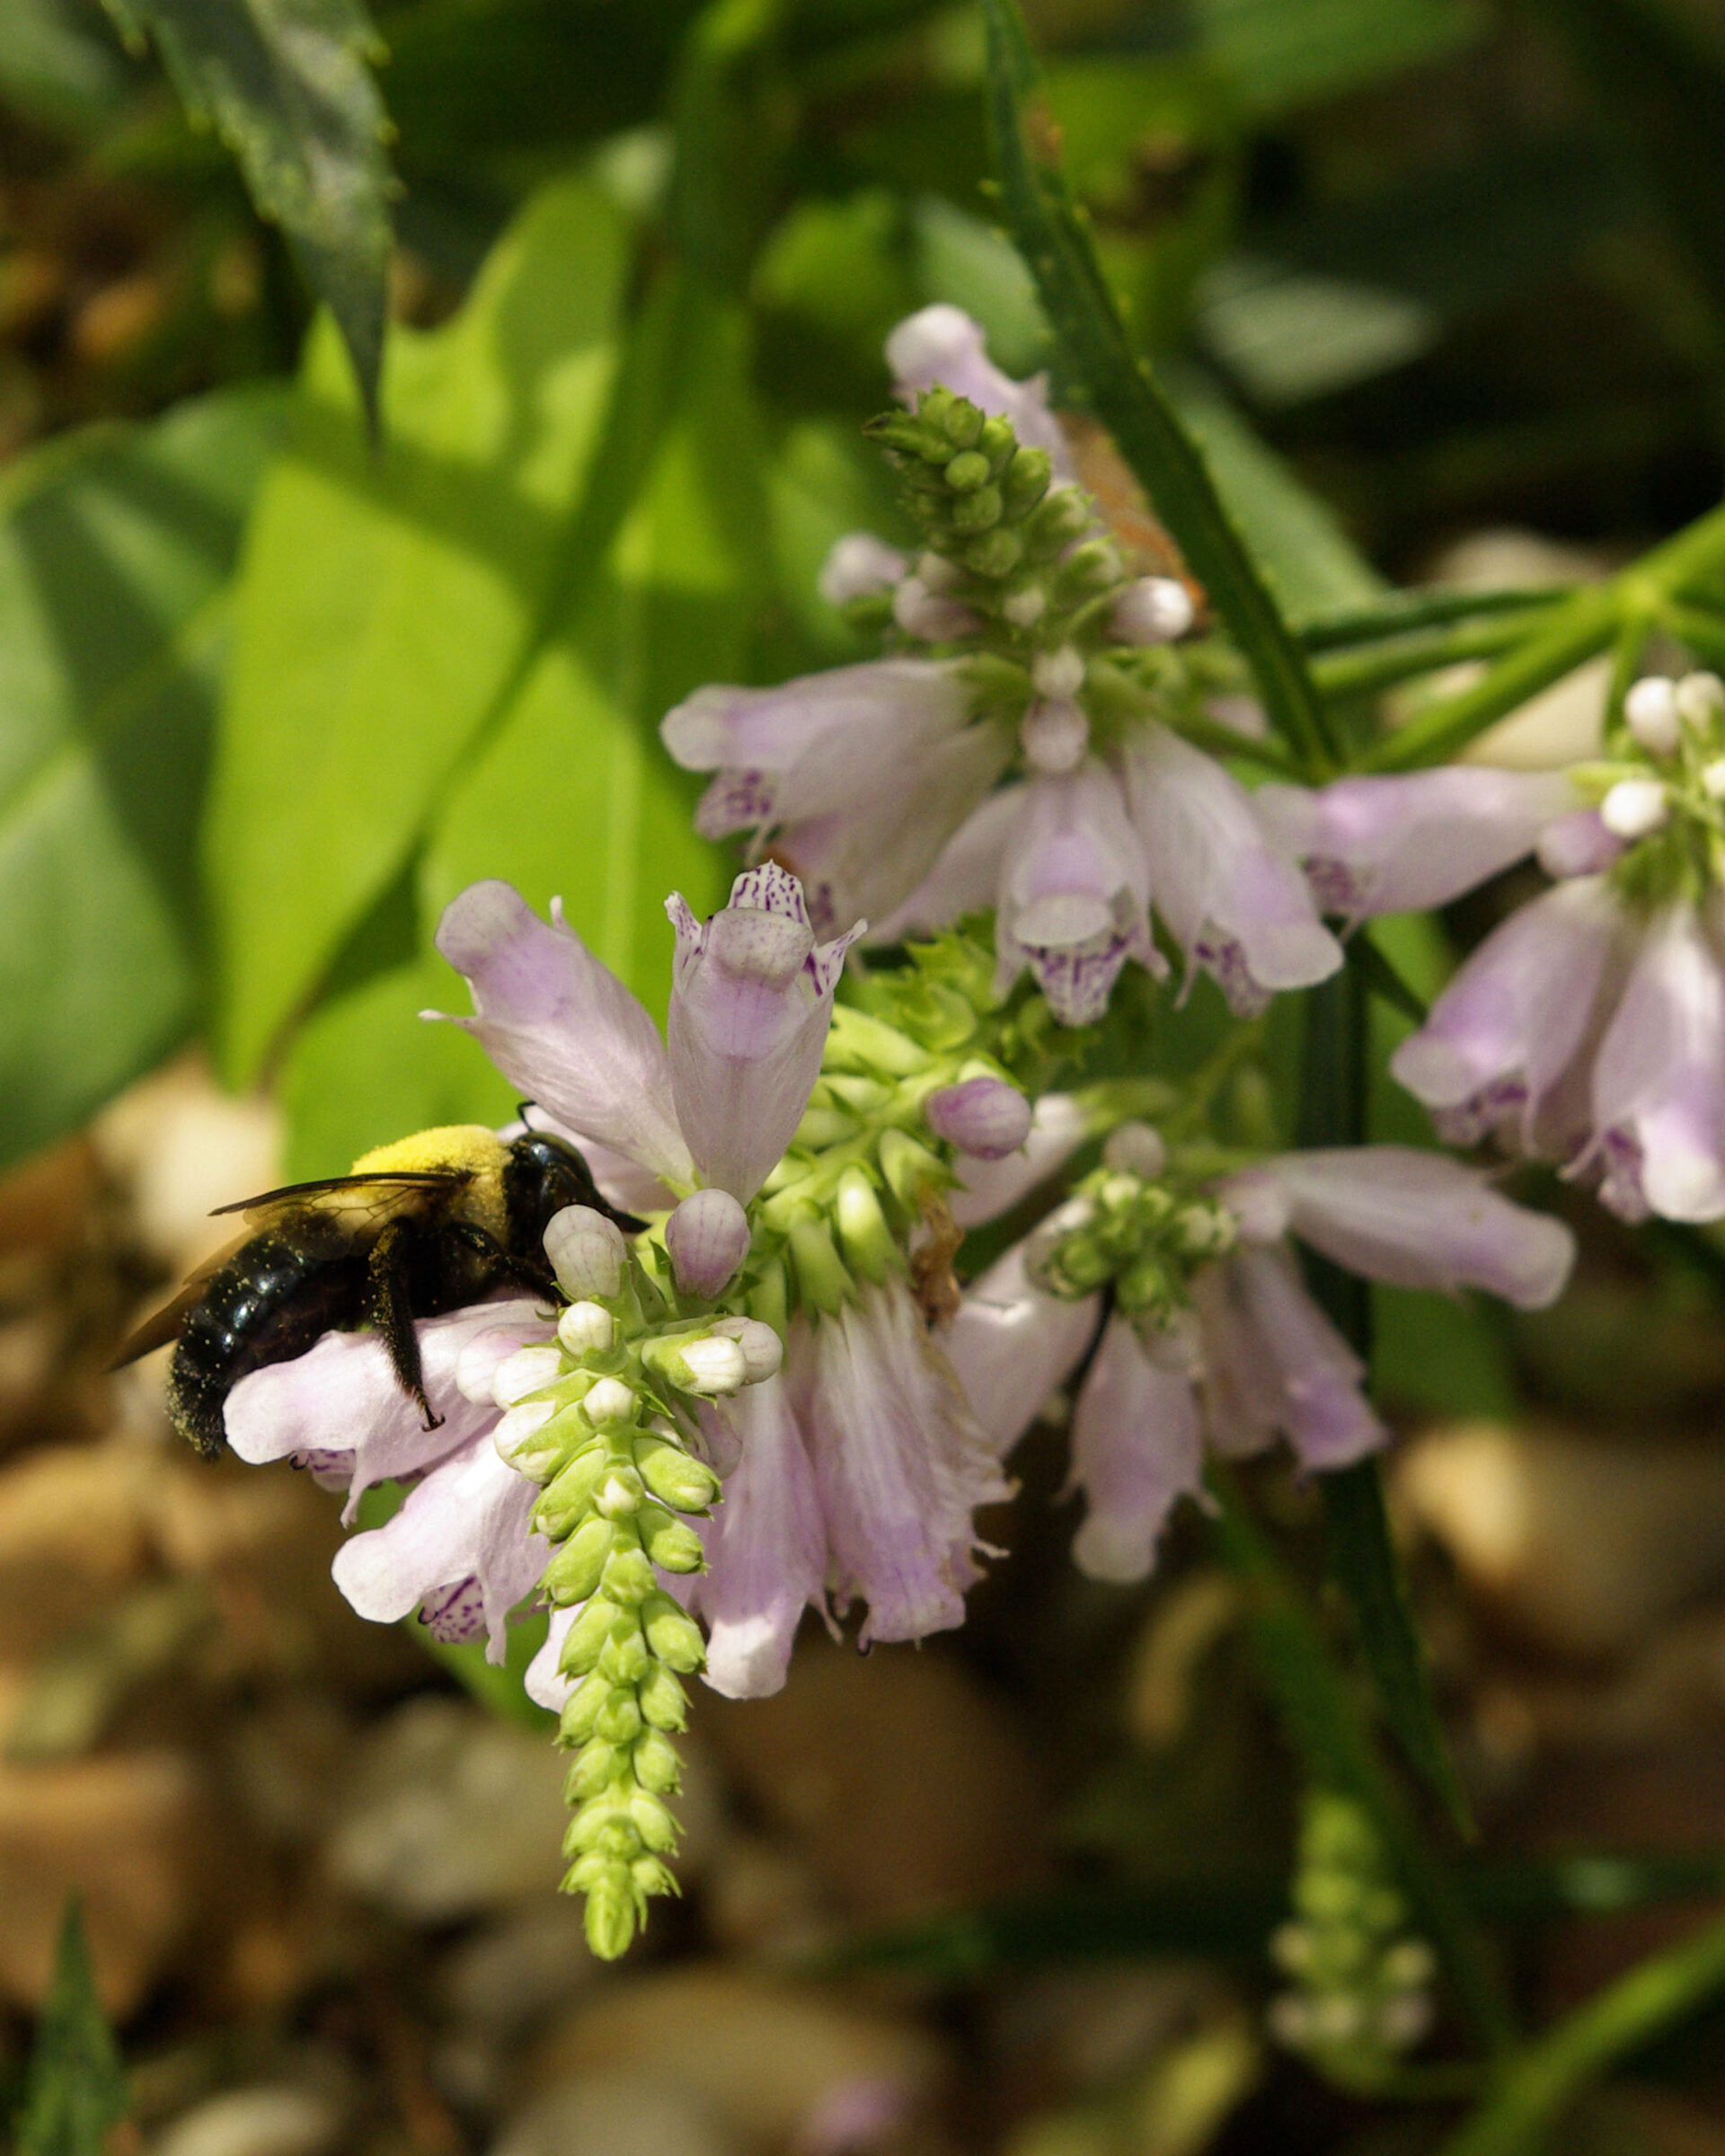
x: 1236, y: 902
x: 1137, y: 1448
x: 1409, y: 843
x: 751, y: 1001
x: 563, y: 1028
x: 467, y: 1521
x: 1074, y: 893
x: 1658, y: 1084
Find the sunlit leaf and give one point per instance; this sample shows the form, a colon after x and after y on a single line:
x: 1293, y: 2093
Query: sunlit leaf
x: 116, y: 549
x: 77, y: 2087
x: 1279, y: 53
x: 286, y: 84
x: 389, y: 598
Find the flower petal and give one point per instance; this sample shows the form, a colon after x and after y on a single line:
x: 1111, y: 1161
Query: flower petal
x: 944, y: 345
x: 1235, y: 903
x: 1011, y: 1346
x: 563, y: 1028
x: 987, y: 1189
x: 1136, y: 1448
x: 1421, y: 1220
x: 766, y: 1550
x: 1406, y: 844
x: 1272, y: 1361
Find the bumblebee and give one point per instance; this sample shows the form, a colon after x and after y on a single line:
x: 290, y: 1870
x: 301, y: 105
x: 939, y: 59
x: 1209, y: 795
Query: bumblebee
x: 419, y: 1227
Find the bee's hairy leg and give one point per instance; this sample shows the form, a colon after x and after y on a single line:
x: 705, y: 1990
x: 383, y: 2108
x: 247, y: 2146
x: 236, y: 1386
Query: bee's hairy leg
x: 391, y: 1312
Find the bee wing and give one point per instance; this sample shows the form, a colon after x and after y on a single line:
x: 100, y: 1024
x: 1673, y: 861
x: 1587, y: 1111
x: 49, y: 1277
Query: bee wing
x: 164, y: 1325
x: 370, y: 1198
x: 377, y: 1194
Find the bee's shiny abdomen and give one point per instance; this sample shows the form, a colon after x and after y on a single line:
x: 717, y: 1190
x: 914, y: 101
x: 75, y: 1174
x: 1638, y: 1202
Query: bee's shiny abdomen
x: 271, y: 1301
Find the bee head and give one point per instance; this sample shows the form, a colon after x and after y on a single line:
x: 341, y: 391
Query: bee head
x: 543, y: 1175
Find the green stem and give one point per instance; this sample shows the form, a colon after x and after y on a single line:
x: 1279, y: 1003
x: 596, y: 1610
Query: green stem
x: 1398, y: 611
x: 1585, y: 623
x: 1548, y: 2076
x: 1381, y: 665
x: 1056, y: 244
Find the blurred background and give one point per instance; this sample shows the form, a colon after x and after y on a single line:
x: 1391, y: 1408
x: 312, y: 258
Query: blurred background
x: 1440, y: 283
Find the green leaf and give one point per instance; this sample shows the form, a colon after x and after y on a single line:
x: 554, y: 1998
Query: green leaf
x: 285, y: 84
x: 1148, y: 432
x: 116, y: 549
x: 1308, y: 561
x: 1280, y: 53
x: 571, y: 794
x: 390, y: 599
x: 76, y: 2091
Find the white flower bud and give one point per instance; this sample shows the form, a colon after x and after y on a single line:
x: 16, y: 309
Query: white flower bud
x: 1701, y: 701
x: 922, y: 613
x: 586, y: 1252
x: 527, y: 1370
x: 1024, y: 609
x: 1136, y: 1148
x: 520, y: 1424
x: 859, y: 566
x: 708, y: 1238
x: 938, y: 573
x: 763, y: 1350
x: 1058, y: 674
x: 609, y: 1401
x: 713, y: 1364
x: 1635, y: 808
x: 587, y: 1328
x: 1712, y: 779
x: 1055, y: 737
x: 1153, y: 610
x: 1650, y: 712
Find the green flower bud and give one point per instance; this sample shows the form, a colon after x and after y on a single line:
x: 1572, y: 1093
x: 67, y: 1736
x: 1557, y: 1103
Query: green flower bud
x: 625, y: 1660
x: 1026, y: 481
x: 619, y: 1719
x: 675, y: 1477
x: 662, y: 1703
x: 653, y: 1824
x: 1090, y: 568
x: 997, y: 438
x: 858, y: 1042
x: 869, y: 1245
x: 595, y: 1827
x: 910, y: 1168
x: 823, y: 1283
x: 1063, y: 516
x: 545, y: 1452
x: 995, y: 554
x: 657, y: 1766
x: 669, y: 1542
x: 597, y: 1766
x: 618, y: 1493
x: 977, y: 512
x: 628, y: 1575
x: 649, y: 1877
x: 583, y: 1708
x: 968, y: 472
x: 609, y: 1917
x: 574, y: 1572
x: 586, y: 1637
x: 672, y: 1633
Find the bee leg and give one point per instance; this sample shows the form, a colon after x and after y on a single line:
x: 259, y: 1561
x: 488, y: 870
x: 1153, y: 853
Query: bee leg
x: 390, y: 1310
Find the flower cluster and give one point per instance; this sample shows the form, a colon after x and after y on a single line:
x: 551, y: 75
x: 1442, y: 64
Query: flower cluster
x: 1588, y: 1029
x: 783, y: 1393
x: 881, y: 782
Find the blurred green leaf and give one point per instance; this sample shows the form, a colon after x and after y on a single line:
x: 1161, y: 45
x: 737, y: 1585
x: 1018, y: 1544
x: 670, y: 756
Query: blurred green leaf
x: 1309, y: 562
x: 116, y: 549
x: 1281, y: 53
x: 1287, y: 335
x: 58, y: 63
x: 570, y: 794
x: 77, y: 2087
x: 287, y: 85
x: 1145, y: 427
x: 390, y: 599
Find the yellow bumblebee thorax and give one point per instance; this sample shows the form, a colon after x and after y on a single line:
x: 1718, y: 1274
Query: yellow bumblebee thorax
x: 450, y: 1148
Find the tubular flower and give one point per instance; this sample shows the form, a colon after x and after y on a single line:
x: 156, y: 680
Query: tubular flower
x: 1212, y: 1336
x: 1589, y: 1027
x: 877, y: 783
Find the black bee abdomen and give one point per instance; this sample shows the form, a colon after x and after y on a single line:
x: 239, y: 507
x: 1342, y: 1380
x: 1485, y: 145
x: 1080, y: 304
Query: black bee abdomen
x: 271, y: 1301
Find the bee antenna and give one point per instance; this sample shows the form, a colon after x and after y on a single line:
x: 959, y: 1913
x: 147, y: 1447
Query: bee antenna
x: 521, y: 1108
